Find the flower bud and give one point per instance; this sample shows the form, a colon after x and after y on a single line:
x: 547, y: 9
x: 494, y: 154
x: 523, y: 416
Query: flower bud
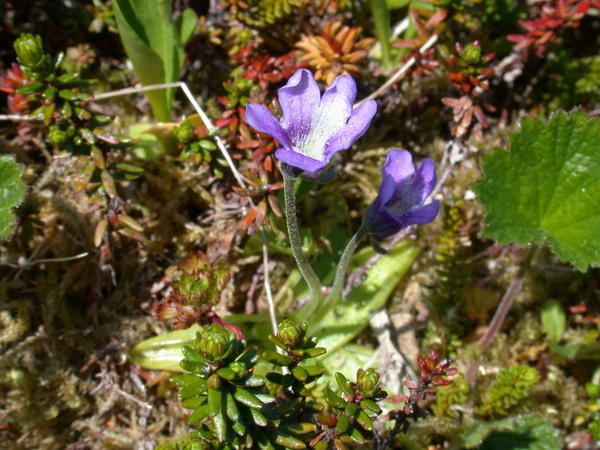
x: 367, y: 381
x: 184, y: 132
x: 30, y: 51
x: 214, y: 342
x: 471, y: 54
x: 289, y: 333
x: 56, y: 136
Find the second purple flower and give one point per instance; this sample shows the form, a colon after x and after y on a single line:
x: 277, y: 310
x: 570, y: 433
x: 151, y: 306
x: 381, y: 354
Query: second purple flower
x: 313, y: 127
x: 401, y: 198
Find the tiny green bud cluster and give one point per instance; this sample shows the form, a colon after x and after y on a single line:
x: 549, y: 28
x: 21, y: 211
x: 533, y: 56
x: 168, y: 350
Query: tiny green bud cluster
x: 30, y: 51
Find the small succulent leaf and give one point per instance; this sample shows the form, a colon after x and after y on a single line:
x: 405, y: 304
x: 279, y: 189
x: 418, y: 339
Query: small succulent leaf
x: 299, y: 428
x: 194, y: 402
x: 254, y: 381
x: 276, y: 341
x: 258, y: 418
x: 343, y: 424
x: 344, y: 384
x: 300, y: 373
x: 199, y: 414
x: 371, y: 406
x: 289, y: 442
x: 546, y: 188
x: 277, y: 358
x: 314, y: 371
x: 313, y: 352
x: 364, y: 420
x: 357, y: 436
x: 239, y: 428
x: 231, y: 408
x: 247, y: 398
x: 11, y: 193
x: 334, y: 400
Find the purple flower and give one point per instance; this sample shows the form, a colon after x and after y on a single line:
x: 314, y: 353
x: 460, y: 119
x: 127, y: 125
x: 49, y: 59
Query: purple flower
x: 313, y: 127
x: 403, y: 191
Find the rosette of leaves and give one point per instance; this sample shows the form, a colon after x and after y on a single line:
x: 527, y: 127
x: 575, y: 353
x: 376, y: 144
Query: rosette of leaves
x: 55, y: 96
x: 196, y: 144
x: 335, y: 51
x: 352, y: 409
x: 220, y: 388
x: 295, y: 348
x: 196, y: 289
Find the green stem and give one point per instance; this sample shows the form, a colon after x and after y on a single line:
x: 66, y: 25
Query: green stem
x: 291, y: 217
x: 335, y: 295
x: 381, y: 17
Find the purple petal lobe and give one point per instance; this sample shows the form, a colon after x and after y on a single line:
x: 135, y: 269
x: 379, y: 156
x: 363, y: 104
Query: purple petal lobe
x: 261, y: 119
x: 299, y: 160
x: 425, y: 179
x: 299, y: 99
x: 344, y: 86
x: 396, y: 171
x: 358, y: 123
x: 424, y: 214
x: 330, y: 118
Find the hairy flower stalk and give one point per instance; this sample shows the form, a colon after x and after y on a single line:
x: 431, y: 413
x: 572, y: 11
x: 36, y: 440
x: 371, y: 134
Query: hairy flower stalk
x: 291, y: 217
x: 313, y: 128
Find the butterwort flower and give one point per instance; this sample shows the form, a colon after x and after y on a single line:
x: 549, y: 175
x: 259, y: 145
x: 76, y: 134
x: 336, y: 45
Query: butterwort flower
x: 400, y: 200
x: 313, y: 127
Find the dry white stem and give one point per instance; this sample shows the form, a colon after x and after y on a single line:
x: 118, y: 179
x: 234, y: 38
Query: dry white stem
x: 399, y: 74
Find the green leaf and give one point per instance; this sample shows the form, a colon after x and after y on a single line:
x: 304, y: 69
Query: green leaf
x: 515, y: 433
x: 154, y: 44
x: 186, y: 24
x: 351, y: 316
x: 546, y: 188
x: 553, y: 320
x: 11, y: 193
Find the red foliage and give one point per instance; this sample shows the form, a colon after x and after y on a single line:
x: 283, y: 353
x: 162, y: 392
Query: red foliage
x: 10, y: 81
x: 553, y: 17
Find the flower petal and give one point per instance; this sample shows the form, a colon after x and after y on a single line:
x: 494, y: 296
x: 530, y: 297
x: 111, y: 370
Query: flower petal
x: 331, y: 117
x: 343, y: 85
x: 357, y: 125
x: 424, y: 214
x: 299, y: 99
x: 299, y: 160
x: 425, y: 179
x: 261, y: 119
x: 396, y: 171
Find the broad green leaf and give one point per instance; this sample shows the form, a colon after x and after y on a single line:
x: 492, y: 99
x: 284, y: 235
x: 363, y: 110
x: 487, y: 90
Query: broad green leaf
x: 351, y: 316
x: 546, y: 188
x: 554, y: 320
x: 11, y: 192
x: 153, y: 42
x: 186, y: 24
x: 163, y: 352
x: 515, y: 433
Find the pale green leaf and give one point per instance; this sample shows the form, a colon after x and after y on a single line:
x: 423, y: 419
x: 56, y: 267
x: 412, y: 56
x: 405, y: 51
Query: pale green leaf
x: 554, y: 320
x: 351, y: 316
x: 546, y: 188
x: 153, y: 44
x: 11, y: 193
x: 186, y: 24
